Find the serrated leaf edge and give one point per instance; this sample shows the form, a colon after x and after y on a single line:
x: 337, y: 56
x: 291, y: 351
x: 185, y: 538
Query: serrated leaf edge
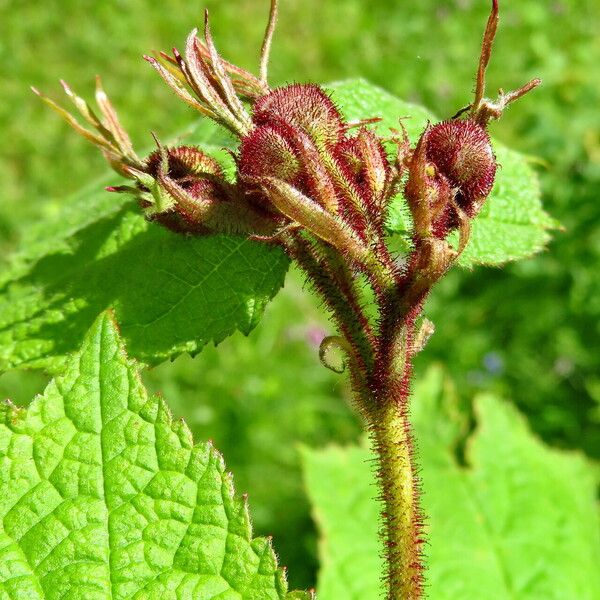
x: 11, y: 414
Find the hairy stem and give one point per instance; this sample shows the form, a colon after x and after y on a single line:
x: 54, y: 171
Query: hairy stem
x: 336, y: 289
x: 380, y: 378
x: 392, y: 441
x: 399, y: 484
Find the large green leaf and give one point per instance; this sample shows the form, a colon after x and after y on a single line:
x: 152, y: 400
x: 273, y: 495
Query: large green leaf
x: 171, y: 293
x: 103, y: 495
x: 518, y: 521
x: 512, y: 224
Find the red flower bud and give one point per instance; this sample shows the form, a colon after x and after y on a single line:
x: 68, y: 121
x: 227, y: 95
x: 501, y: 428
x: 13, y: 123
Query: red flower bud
x: 300, y: 138
x: 461, y: 151
x: 184, y: 163
x: 366, y: 165
x: 304, y: 106
x: 185, y: 190
x: 190, y: 174
x: 280, y: 150
x: 265, y: 152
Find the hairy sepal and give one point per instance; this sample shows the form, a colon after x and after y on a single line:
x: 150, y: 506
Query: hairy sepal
x: 308, y: 214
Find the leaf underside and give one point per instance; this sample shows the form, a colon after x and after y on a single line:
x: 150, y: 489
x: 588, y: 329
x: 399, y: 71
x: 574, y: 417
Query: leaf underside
x: 103, y: 495
x: 519, y: 521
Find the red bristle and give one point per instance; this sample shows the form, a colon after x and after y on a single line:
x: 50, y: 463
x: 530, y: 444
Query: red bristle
x: 266, y: 152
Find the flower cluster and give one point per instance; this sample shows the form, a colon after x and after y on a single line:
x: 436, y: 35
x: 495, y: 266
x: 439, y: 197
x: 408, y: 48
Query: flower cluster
x: 302, y: 172
x: 303, y: 164
x: 451, y: 174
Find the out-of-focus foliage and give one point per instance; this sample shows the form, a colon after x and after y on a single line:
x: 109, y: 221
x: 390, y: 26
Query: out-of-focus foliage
x: 508, y: 523
x: 529, y: 332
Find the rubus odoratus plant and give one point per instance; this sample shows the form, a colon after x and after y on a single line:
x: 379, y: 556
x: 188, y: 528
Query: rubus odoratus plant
x: 319, y: 187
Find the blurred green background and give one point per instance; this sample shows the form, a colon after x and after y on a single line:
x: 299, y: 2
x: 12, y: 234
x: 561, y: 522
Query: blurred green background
x: 529, y: 331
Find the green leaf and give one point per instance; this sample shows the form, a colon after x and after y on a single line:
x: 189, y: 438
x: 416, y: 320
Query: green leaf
x: 171, y: 293
x: 519, y: 520
x: 103, y: 495
x: 512, y: 224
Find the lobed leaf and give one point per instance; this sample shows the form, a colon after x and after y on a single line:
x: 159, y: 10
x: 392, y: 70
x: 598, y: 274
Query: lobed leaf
x: 518, y: 521
x: 103, y: 495
x: 512, y: 224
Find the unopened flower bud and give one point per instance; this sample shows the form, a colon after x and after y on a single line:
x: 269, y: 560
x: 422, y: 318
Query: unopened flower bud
x: 183, y: 164
x: 177, y: 187
x: 281, y: 150
x: 428, y: 193
x: 265, y: 152
x: 367, y: 165
x: 451, y: 173
x: 306, y: 107
x: 184, y: 189
x: 462, y: 152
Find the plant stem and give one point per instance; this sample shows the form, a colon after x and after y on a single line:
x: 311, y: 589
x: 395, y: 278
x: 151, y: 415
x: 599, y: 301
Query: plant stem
x: 381, y: 381
x: 392, y: 441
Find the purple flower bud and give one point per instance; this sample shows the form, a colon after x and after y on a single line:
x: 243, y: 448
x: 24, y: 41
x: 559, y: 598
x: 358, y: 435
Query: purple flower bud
x: 461, y: 151
x: 304, y: 106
